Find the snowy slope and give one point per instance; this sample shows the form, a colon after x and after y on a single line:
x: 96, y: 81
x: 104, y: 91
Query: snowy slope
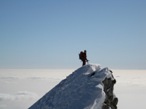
x: 83, y: 89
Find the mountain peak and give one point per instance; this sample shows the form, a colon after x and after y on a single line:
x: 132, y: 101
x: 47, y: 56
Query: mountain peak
x: 89, y: 87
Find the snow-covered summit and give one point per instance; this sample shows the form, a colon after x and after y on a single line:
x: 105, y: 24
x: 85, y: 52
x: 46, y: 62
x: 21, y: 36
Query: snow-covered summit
x: 88, y: 87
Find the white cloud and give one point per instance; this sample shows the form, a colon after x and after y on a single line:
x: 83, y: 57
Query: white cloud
x: 18, y: 96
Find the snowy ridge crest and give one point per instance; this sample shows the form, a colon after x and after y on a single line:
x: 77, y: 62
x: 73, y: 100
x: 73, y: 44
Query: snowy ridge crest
x: 83, y: 89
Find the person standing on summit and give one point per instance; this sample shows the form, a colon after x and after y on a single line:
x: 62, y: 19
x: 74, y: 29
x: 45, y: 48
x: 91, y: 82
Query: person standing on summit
x: 83, y: 57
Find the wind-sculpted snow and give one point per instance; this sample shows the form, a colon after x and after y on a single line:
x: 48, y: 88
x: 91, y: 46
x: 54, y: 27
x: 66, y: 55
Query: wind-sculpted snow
x: 83, y: 89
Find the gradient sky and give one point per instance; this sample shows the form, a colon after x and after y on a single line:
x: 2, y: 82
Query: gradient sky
x: 51, y: 33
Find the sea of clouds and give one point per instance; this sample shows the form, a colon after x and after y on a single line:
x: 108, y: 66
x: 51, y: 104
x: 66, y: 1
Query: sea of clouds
x: 20, y: 88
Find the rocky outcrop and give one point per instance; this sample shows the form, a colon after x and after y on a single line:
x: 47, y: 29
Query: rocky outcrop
x: 111, y: 100
x: 89, y: 87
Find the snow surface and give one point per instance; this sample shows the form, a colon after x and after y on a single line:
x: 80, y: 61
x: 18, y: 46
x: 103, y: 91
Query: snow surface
x: 83, y: 89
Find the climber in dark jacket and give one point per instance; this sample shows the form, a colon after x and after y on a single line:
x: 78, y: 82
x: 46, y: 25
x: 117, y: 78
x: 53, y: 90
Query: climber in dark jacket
x: 83, y: 57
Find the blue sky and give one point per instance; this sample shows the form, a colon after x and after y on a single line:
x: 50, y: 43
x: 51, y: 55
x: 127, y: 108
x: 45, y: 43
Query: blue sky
x: 51, y: 33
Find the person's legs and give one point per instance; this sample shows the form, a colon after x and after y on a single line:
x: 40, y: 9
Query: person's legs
x: 84, y: 62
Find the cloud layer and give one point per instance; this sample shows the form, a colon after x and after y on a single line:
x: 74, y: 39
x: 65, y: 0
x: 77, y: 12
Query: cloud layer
x: 18, y: 96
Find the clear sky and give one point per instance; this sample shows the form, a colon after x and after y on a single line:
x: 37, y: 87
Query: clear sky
x: 51, y: 33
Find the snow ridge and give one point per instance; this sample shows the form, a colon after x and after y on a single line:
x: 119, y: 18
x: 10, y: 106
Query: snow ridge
x: 83, y: 89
